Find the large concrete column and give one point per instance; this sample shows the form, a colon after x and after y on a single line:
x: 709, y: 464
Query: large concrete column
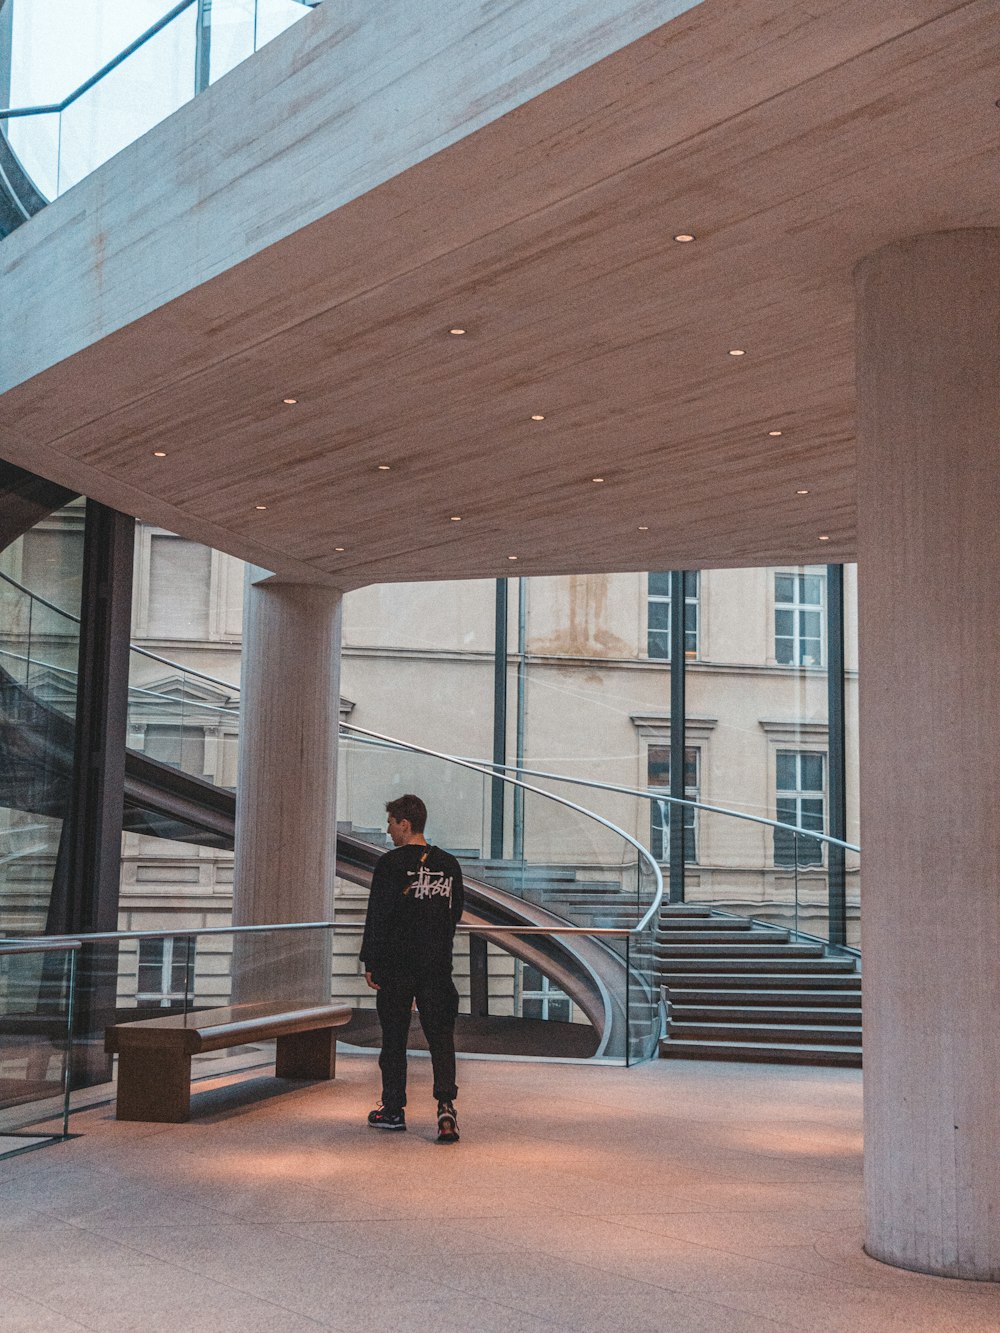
x: 286, y: 795
x: 929, y: 604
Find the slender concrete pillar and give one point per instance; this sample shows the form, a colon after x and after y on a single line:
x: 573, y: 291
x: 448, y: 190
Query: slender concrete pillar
x: 286, y: 795
x: 929, y: 605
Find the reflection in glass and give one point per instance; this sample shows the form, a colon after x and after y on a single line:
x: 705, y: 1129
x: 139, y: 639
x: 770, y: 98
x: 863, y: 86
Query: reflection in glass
x: 39, y: 650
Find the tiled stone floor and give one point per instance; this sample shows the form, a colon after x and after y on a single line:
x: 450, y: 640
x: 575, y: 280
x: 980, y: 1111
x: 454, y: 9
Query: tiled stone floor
x: 679, y: 1196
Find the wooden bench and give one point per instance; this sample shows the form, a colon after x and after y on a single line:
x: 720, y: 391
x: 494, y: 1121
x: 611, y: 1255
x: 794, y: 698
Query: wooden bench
x: 154, y: 1054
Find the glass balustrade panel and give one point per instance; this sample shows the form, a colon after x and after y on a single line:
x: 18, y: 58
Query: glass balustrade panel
x: 571, y: 995
x: 555, y: 857
x: 35, y: 992
x: 139, y: 93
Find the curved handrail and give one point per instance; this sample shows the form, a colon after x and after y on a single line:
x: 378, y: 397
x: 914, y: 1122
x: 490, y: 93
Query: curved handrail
x: 487, y: 771
x: 662, y: 799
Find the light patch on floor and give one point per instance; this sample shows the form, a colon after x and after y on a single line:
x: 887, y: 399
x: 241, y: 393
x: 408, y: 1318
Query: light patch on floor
x: 680, y: 1196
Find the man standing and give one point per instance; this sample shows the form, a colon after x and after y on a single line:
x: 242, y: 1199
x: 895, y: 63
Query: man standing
x: 415, y: 903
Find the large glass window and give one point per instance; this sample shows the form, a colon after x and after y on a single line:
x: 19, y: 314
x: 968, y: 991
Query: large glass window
x: 799, y: 600
x: 658, y: 779
x: 800, y: 801
x: 658, y: 615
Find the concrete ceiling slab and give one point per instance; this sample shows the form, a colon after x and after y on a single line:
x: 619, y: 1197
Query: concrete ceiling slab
x: 790, y: 139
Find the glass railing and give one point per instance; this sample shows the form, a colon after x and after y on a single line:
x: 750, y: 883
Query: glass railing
x: 183, y: 717
x: 37, y: 992
x: 176, y: 715
x: 134, y: 79
x: 571, y: 865
x: 777, y: 874
x: 174, y: 975
x: 568, y: 859
x: 160, y: 972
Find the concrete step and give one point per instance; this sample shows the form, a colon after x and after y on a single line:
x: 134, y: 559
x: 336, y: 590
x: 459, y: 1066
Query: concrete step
x: 713, y: 923
x: 760, y: 1052
x: 845, y: 988
x: 799, y: 997
x: 741, y: 937
x: 598, y: 902
x: 713, y: 968
x: 795, y: 1033
x: 586, y: 890
x: 669, y: 910
x: 756, y: 1013
x: 750, y: 950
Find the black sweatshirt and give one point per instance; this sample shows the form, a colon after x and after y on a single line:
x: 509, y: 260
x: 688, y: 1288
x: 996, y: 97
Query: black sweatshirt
x: 415, y: 903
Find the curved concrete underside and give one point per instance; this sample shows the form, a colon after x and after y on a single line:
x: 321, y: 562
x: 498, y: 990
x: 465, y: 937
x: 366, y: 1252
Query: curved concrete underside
x: 313, y: 225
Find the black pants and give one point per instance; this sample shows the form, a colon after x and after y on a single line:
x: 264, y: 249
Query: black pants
x: 437, y: 1004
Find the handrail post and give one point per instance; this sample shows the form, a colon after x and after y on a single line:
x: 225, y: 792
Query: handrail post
x: 203, y: 46
x: 498, y: 786
x: 795, y: 846
x: 837, y: 827
x: 68, y: 1059
x: 677, y: 727
x: 189, y: 949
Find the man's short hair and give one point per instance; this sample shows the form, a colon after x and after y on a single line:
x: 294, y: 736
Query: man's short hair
x: 408, y: 807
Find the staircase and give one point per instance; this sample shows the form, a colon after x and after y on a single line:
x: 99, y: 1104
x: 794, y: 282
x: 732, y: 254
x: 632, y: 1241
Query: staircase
x: 737, y: 991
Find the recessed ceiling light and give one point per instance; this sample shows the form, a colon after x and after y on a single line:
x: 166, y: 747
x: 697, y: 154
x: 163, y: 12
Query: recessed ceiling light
x: 456, y: 518
x: 597, y: 479
x: 159, y: 453
x: 340, y: 548
x: 683, y: 237
x: 537, y: 416
x: 260, y: 506
x: 774, y: 432
x: 824, y: 538
x: 383, y: 467
x: 737, y: 351
x: 512, y: 557
x: 290, y: 402
x: 643, y: 527
x: 802, y: 492
x: 457, y: 332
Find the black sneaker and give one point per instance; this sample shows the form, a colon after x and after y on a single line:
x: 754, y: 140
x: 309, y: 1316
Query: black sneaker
x: 447, y: 1123
x: 383, y: 1118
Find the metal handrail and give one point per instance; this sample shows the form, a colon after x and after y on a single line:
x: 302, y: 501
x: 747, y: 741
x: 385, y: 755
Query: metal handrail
x: 56, y: 943
x: 64, y: 942
x: 487, y: 771
x: 13, y: 113
x: 662, y: 799
x: 133, y: 647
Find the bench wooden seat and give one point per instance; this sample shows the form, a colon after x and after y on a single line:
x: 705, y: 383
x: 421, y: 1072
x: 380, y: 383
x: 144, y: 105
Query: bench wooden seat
x: 154, y: 1054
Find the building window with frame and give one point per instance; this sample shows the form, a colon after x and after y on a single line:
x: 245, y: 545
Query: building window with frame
x: 540, y: 998
x: 799, y: 601
x: 801, y: 801
x: 658, y: 779
x: 162, y: 971
x: 658, y: 615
